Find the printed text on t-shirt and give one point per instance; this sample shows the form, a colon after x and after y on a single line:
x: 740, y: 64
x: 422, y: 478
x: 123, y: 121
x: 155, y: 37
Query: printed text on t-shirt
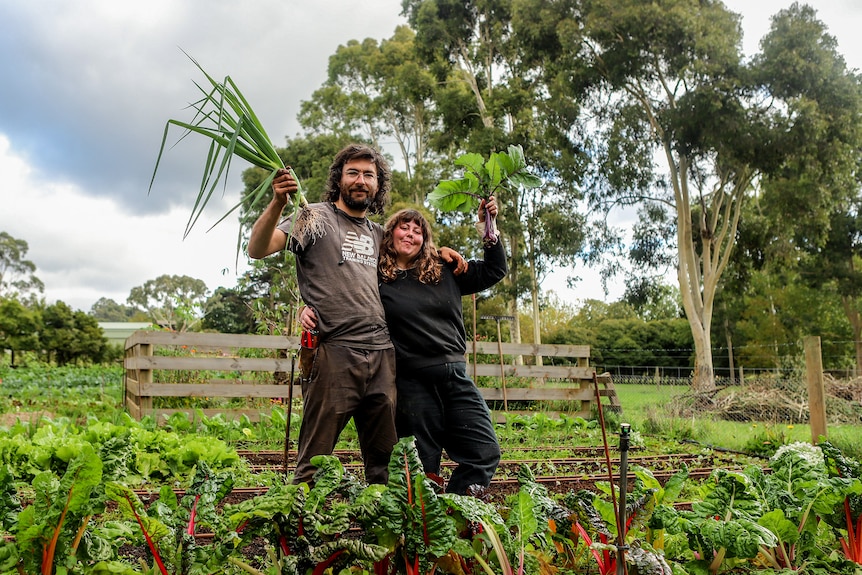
x: 358, y: 248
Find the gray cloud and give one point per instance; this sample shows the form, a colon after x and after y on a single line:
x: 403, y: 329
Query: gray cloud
x: 89, y: 85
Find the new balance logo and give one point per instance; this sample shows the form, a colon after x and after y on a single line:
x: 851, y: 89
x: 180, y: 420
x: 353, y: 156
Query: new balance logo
x: 362, y: 245
x: 359, y: 249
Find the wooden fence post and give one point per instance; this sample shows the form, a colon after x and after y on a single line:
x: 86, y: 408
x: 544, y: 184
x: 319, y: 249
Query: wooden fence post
x: 134, y: 399
x: 131, y: 389
x: 816, y: 394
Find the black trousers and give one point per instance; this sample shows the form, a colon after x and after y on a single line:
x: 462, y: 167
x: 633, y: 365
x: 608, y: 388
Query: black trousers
x: 442, y: 408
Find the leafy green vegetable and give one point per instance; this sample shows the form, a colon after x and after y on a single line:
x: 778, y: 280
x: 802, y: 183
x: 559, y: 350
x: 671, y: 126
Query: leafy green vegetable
x: 54, y: 524
x: 131, y: 507
x: 413, y: 521
x: 722, y: 528
x: 849, y: 471
x: 483, y: 179
x: 10, y: 503
x: 305, y: 525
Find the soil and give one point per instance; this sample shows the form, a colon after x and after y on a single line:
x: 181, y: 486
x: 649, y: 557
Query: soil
x: 13, y: 417
x: 254, y: 553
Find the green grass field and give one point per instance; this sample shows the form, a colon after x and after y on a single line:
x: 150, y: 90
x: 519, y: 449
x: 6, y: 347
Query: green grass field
x: 645, y: 407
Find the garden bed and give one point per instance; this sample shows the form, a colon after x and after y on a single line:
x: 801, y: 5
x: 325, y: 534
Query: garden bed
x: 551, y: 496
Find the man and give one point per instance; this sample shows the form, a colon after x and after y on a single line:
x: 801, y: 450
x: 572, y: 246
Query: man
x: 353, y: 370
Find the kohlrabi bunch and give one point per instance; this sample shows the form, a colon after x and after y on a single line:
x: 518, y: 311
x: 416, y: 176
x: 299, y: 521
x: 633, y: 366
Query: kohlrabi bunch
x: 481, y: 180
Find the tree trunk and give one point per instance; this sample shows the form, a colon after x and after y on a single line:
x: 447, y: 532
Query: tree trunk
x: 704, y: 373
x: 693, y: 273
x: 470, y: 77
x: 851, y: 310
x: 512, y: 304
x: 516, y: 328
x: 717, y: 204
x: 729, y: 350
x: 703, y: 260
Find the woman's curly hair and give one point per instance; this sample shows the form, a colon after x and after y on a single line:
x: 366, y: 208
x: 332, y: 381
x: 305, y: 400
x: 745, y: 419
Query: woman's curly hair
x: 429, y: 264
x: 362, y: 151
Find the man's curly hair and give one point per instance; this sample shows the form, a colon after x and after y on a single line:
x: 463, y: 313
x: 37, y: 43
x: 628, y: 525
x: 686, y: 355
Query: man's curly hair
x: 429, y: 264
x: 361, y: 151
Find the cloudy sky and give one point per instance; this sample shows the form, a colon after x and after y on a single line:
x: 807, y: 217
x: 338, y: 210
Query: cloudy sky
x: 87, y: 86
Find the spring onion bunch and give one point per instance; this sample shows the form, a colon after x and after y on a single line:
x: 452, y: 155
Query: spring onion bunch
x: 224, y: 116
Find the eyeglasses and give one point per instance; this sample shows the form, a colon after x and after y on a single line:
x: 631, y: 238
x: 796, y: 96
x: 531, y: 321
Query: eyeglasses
x: 356, y: 174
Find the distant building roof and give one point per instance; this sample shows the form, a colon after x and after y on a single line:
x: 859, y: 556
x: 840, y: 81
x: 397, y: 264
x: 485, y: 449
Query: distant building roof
x: 132, y: 325
x: 119, y: 331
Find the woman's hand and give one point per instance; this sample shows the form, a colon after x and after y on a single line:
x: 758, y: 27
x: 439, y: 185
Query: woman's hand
x: 487, y: 224
x: 490, y: 205
x: 308, y: 318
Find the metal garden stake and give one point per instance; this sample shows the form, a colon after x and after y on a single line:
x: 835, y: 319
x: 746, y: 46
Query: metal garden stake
x: 498, y: 319
x: 625, y: 428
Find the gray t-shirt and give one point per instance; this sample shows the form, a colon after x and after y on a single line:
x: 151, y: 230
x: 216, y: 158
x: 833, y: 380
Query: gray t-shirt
x: 337, y: 275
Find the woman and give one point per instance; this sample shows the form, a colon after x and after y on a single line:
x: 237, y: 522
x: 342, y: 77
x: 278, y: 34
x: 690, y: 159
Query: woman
x: 437, y: 402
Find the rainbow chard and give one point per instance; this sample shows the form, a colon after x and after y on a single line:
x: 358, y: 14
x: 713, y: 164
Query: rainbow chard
x: 481, y: 180
x: 722, y: 528
x: 413, y: 521
x: 131, y: 506
x: 594, y: 522
x: 305, y: 524
x: 276, y: 515
x: 169, y: 526
x: 50, y: 530
x: 847, y: 516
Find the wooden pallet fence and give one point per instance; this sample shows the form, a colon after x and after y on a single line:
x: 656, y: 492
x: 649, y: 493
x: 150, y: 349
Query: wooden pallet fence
x: 217, y: 354
x: 546, y: 383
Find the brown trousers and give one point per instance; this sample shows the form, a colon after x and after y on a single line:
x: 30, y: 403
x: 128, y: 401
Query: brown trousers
x: 347, y: 382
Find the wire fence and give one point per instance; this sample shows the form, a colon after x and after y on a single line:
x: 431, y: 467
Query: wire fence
x: 754, y: 396
x: 723, y: 375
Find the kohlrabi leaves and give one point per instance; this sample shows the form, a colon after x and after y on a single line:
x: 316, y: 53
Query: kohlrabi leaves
x: 482, y: 179
x: 456, y: 195
x: 474, y: 163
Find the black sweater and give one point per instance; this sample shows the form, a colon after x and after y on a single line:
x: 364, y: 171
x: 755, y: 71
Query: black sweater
x: 425, y: 321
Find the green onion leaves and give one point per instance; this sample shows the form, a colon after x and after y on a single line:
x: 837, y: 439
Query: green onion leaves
x: 223, y: 115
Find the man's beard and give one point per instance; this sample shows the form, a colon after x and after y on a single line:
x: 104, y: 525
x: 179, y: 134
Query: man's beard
x: 356, y: 204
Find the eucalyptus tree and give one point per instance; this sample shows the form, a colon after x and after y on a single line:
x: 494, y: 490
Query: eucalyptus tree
x: 228, y: 311
x: 682, y: 125
x: 491, y: 96
x: 172, y: 301
x: 773, y: 294
x: 69, y: 336
x: 17, y: 274
x: 814, y: 201
x: 106, y: 309
x: 835, y: 268
x: 381, y: 93
x: 802, y: 231
x: 19, y: 327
